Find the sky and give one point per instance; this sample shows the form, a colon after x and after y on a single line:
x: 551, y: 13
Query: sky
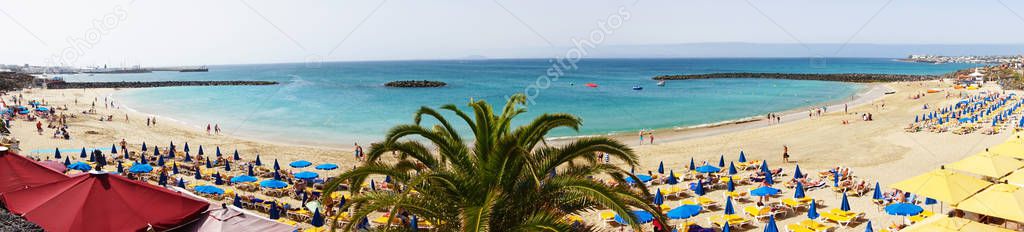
x: 193, y: 32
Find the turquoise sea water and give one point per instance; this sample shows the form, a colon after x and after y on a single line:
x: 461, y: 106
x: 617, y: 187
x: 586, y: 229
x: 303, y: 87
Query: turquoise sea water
x: 344, y: 102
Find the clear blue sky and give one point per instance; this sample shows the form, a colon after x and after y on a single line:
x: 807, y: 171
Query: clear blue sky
x: 150, y: 32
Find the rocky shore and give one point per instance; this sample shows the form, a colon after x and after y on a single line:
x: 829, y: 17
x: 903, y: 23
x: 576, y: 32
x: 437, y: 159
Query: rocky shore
x: 415, y: 84
x: 14, y: 81
x: 842, y: 77
x: 148, y: 84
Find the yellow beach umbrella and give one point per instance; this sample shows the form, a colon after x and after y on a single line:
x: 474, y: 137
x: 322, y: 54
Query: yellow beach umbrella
x: 1015, y: 178
x: 987, y: 164
x: 943, y: 185
x: 948, y: 224
x: 1001, y: 200
x: 1013, y: 148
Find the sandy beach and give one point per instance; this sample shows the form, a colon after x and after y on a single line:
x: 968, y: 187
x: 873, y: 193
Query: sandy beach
x: 877, y: 150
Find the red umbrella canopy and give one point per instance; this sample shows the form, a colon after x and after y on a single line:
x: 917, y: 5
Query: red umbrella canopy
x: 18, y: 172
x: 103, y: 202
x: 53, y: 164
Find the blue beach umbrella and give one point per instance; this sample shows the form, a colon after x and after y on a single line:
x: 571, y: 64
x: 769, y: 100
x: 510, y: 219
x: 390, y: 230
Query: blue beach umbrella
x: 846, y: 203
x: 277, y: 175
x: 684, y: 212
x: 373, y: 186
x: 142, y: 158
x: 209, y: 164
x: 698, y: 188
x: 835, y: 179
x: 171, y: 145
x: 140, y: 168
x: 218, y: 152
x: 743, y: 157
x: 721, y: 161
x: 300, y: 164
x: 258, y: 162
x: 658, y: 198
x: 764, y: 191
x: 251, y: 173
x: 56, y: 153
x: 661, y: 167
x: 732, y: 168
x: 725, y: 228
x: 730, y: 186
x: 170, y: 153
x: 181, y: 183
x: 903, y: 209
x: 764, y: 167
x: 799, y: 193
x: 728, y: 206
x: 878, y: 192
x: 156, y: 151
x: 200, y: 150
x: 274, y: 184
x: 82, y: 154
x: 174, y: 168
x: 317, y: 220
x: 306, y: 175
x: 672, y: 179
x: 237, y: 157
x: 243, y: 179
x: 185, y: 148
x: 640, y: 215
x: 120, y: 167
x: 209, y: 189
x: 707, y: 169
x: 160, y: 161
x: 67, y: 161
x: 199, y: 174
x: 217, y: 180
x: 812, y: 211
x: 771, y: 227
x: 930, y: 201
x: 769, y: 178
x: 797, y: 173
x: 163, y: 179
x: 227, y: 166
x: 144, y: 146
x: 692, y: 165
x: 277, y: 166
x: 274, y: 213
x: 869, y: 227
x: 81, y: 166
x: 188, y: 158
x: 113, y: 149
x: 238, y: 201
x: 92, y: 158
x: 642, y: 178
x: 412, y: 224
x: 327, y: 167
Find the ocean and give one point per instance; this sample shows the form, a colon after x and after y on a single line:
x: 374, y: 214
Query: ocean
x: 338, y: 103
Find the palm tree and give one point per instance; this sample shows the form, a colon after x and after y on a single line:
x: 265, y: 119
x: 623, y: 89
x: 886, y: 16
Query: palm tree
x: 508, y: 179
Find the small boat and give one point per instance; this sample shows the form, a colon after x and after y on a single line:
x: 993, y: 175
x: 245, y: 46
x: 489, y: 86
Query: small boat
x: 661, y: 83
x: 638, y: 87
x: 591, y: 85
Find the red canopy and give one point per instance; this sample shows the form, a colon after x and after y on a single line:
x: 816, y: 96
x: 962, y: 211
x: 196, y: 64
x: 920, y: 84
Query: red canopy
x: 18, y: 172
x: 103, y: 202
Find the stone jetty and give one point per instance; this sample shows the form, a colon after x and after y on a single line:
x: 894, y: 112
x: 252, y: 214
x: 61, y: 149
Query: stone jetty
x: 415, y: 84
x: 842, y: 77
x: 148, y: 84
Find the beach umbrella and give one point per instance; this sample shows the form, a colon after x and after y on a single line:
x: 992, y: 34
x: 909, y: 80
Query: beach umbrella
x: 797, y: 173
x: 174, y: 168
x: 181, y: 183
x: 300, y: 164
x: 387, y: 179
x: 812, y: 211
x: 188, y: 158
x: 835, y: 179
x: 698, y: 188
x: 768, y: 178
x: 209, y: 164
x: 160, y: 161
x: 306, y: 175
x: 764, y: 191
x: 171, y: 145
x: 989, y: 164
x: 721, y: 161
x: 672, y: 180
x: 930, y: 201
x: 1001, y: 200
x: 163, y: 179
x: 640, y: 215
x: 305, y: 198
x: 113, y: 149
x: 903, y: 209
x: 243, y: 179
x: 56, y: 153
x: 869, y: 227
x: 199, y: 174
x: 237, y: 157
x: 277, y: 166
x: 144, y: 146
x: 846, y: 203
x: 707, y: 169
x: 185, y: 148
x: 218, y: 151
x: 743, y: 157
x: 731, y: 186
x: 258, y: 162
x: 373, y: 186
x: 251, y: 173
x: 142, y: 158
x: 725, y: 228
x: 692, y: 165
x: 277, y: 175
x: 170, y: 153
x: 156, y: 151
x: 81, y: 166
x: 120, y: 167
x: 684, y: 212
x: 274, y: 213
x: 632, y: 170
x: 82, y: 154
x: 764, y: 167
x: 140, y: 168
x: 227, y: 166
x: 878, y: 192
x: 217, y: 180
x: 771, y: 227
x: 209, y: 189
x: 238, y: 201
x: 67, y: 161
x: 732, y: 168
x: 274, y: 184
x: 412, y: 224
x: 327, y: 167
x: 658, y: 198
x: 317, y: 220
x: 799, y: 193
x: 661, y: 167
x: 200, y: 150
x: 728, y: 206
x: 92, y: 158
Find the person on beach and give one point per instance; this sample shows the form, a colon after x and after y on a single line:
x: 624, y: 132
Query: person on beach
x: 359, y: 152
x: 216, y: 129
x: 785, y: 153
x: 641, y: 136
x: 147, y: 122
x: 39, y: 127
x: 207, y: 129
x: 651, y: 134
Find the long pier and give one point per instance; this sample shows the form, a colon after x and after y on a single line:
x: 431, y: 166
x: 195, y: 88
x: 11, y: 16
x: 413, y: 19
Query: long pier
x: 149, y: 84
x: 842, y: 77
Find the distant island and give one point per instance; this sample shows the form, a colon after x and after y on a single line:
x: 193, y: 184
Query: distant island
x: 841, y: 77
x: 415, y: 84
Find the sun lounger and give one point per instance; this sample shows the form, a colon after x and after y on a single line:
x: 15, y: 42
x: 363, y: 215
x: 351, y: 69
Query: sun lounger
x: 706, y: 202
x: 816, y: 226
x: 841, y: 217
x: 797, y: 228
x: 607, y: 216
x: 919, y: 217
x: 735, y: 195
x: 735, y: 221
x: 761, y: 214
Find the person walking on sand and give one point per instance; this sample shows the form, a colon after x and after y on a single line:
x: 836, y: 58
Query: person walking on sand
x: 207, y: 129
x: 651, y: 134
x: 641, y: 136
x: 216, y: 129
x: 785, y: 153
x: 147, y: 122
x: 359, y: 152
x: 39, y: 127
